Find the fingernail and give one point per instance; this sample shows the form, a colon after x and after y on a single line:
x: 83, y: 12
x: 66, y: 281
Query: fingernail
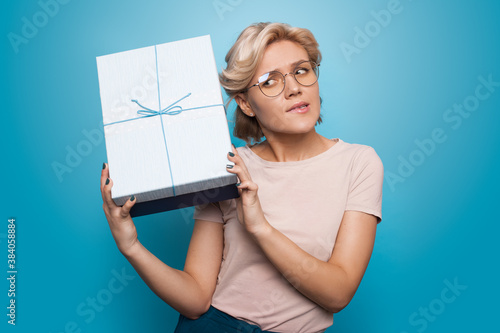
x: 229, y: 166
x: 231, y: 154
x: 238, y: 184
x: 132, y: 198
x: 233, y: 145
x: 104, y: 166
x: 107, y: 181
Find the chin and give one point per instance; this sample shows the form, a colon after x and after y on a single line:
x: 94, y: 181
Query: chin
x: 308, y: 122
x: 302, y: 128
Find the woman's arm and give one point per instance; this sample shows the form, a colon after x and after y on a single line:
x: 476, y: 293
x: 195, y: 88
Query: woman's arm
x: 189, y: 291
x: 329, y: 284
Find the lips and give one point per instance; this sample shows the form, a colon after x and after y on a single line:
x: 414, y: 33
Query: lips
x: 300, y: 107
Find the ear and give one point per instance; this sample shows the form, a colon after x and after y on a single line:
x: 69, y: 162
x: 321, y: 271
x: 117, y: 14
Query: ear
x: 244, y: 104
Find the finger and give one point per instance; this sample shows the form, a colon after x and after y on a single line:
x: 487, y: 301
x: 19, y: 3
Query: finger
x: 247, y: 185
x: 104, y: 174
x: 238, y: 171
x: 239, y: 166
x: 106, y: 193
x: 125, y: 209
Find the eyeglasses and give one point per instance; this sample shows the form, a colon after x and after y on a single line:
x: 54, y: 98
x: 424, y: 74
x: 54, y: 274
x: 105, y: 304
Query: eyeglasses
x: 271, y: 84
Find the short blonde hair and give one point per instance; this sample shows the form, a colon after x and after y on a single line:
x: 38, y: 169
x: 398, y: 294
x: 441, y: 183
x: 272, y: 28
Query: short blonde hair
x: 243, y: 59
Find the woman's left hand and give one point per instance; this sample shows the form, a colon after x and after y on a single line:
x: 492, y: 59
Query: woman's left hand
x: 250, y: 212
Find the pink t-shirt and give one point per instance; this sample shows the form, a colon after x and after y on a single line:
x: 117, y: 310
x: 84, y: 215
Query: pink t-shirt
x: 305, y: 200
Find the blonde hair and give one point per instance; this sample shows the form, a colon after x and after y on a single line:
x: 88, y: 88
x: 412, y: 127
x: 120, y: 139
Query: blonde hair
x: 244, y: 57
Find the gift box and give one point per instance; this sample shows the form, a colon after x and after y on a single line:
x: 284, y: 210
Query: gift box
x: 165, y: 126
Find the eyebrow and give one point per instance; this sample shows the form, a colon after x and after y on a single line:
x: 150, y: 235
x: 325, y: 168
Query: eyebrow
x: 293, y: 65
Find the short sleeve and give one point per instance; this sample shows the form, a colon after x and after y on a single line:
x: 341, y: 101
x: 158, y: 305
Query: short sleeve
x: 365, y: 184
x: 209, y: 212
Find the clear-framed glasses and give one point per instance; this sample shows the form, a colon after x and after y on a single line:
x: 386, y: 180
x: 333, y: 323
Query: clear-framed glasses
x: 271, y: 84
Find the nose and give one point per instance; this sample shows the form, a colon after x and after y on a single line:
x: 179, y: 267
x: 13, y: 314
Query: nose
x: 292, y: 87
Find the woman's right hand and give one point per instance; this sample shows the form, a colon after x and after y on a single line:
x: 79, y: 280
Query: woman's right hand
x: 119, y: 219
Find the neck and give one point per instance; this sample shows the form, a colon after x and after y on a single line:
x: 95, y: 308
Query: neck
x: 292, y: 147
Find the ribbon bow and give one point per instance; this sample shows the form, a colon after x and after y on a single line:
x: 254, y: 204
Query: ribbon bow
x: 170, y: 110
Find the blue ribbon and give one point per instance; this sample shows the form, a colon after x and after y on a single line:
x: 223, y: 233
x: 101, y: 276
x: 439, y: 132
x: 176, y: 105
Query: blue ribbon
x: 171, y: 110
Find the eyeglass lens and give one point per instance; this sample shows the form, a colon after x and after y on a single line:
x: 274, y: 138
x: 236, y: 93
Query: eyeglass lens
x: 272, y: 84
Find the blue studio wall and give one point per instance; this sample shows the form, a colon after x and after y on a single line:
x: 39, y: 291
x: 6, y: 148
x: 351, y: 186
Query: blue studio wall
x: 417, y: 80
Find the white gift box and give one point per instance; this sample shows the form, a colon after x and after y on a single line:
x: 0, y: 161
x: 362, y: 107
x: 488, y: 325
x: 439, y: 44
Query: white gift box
x: 165, y: 126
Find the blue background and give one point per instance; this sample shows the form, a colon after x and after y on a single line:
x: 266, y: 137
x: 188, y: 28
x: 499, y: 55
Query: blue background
x: 439, y: 220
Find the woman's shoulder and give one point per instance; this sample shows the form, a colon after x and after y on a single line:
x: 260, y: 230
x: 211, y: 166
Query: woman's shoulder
x: 357, y: 148
x: 251, y: 153
x: 256, y: 148
x: 362, y: 155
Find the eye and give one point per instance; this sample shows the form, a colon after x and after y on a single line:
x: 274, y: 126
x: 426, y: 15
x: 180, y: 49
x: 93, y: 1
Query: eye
x: 269, y: 80
x: 269, y: 83
x: 302, y: 71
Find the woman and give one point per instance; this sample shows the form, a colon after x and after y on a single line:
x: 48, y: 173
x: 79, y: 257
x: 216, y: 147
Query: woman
x: 292, y: 250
